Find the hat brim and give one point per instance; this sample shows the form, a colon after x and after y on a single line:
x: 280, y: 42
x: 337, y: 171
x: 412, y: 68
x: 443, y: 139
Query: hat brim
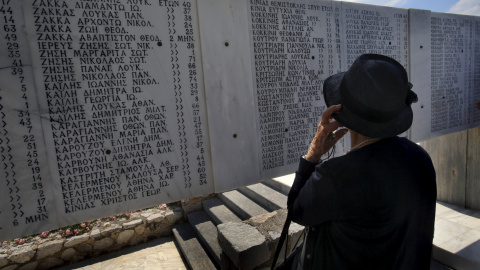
x: 331, y: 94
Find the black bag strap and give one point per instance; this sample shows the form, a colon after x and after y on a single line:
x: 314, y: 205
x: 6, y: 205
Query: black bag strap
x: 281, y: 240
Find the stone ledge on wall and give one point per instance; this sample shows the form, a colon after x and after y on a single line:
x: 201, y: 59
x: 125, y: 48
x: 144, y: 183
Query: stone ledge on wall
x: 56, y: 250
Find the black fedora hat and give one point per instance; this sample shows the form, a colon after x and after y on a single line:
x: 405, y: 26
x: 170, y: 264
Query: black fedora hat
x: 375, y: 96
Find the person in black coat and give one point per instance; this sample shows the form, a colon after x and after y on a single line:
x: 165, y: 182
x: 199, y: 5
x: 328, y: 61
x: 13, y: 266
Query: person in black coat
x: 374, y: 207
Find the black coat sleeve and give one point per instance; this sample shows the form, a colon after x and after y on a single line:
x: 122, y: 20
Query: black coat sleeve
x: 316, y: 201
x: 304, y: 171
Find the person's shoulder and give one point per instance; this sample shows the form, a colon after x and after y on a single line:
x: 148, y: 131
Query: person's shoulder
x: 409, y: 144
x: 336, y: 165
x: 414, y: 151
x: 403, y: 140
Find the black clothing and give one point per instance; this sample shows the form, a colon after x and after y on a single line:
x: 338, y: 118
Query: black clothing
x: 372, y: 208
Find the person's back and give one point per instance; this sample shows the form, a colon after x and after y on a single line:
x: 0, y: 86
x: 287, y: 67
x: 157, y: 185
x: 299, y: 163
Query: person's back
x: 384, y: 213
x: 374, y: 207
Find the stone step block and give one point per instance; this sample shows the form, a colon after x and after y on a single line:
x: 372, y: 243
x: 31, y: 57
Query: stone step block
x: 192, y: 250
x: 219, y: 212
x: 242, y: 206
x: 243, y: 244
x: 267, y: 197
x: 270, y: 226
x: 435, y: 265
x: 206, y: 232
x: 454, y: 260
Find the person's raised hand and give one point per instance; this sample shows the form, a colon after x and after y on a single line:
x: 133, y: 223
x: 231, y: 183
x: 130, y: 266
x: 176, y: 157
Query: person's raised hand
x: 327, y: 135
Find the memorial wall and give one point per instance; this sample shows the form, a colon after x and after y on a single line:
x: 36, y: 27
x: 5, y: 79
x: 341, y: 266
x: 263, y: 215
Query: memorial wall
x: 447, y: 46
x: 111, y: 106
x: 295, y: 47
x: 454, y: 39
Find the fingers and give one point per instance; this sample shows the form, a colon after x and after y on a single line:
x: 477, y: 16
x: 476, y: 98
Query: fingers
x: 334, y: 137
x: 327, y: 134
x: 338, y: 134
x: 327, y: 128
x: 327, y: 114
x: 335, y: 125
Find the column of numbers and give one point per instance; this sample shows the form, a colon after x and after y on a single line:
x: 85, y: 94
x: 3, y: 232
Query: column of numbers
x: 330, y: 21
x: 13, y: 53
x: 402, y: 38
x: 338, y: 41
x: 21, y: 119
x: 469, y: 70
x: 399, y: 19
x: 405, y: 40
x: 193, y: 87
x: 178, y: 95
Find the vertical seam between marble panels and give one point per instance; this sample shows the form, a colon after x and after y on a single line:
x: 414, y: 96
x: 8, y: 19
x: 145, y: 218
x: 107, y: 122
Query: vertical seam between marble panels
x: 465, y: 200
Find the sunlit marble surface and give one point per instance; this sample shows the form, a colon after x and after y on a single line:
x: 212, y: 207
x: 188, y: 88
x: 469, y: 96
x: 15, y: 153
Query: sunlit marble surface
x: 159, y: 254
x: 457, y: 230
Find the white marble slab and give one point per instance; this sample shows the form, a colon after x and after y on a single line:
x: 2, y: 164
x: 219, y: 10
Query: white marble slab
x: 467, y: 218
x: 420, y: 64
x: 446, y: 230
x: 228, y: 86
x: 453, y: 39
x: 375, y: 29
x: 121, y: 99
x: 295, y: 46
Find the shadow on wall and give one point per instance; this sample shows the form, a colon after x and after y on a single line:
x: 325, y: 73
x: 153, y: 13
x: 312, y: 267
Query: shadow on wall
x: 456, y: 158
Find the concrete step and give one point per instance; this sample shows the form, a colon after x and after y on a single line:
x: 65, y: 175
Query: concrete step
x: 191, y: 248
x: 453, y: 260
x: 241, y: 205
x: 206, y: 232
x: 267, y: 197
x: 219, y: 212
x: 434, y: 265
x: 281, y: 184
